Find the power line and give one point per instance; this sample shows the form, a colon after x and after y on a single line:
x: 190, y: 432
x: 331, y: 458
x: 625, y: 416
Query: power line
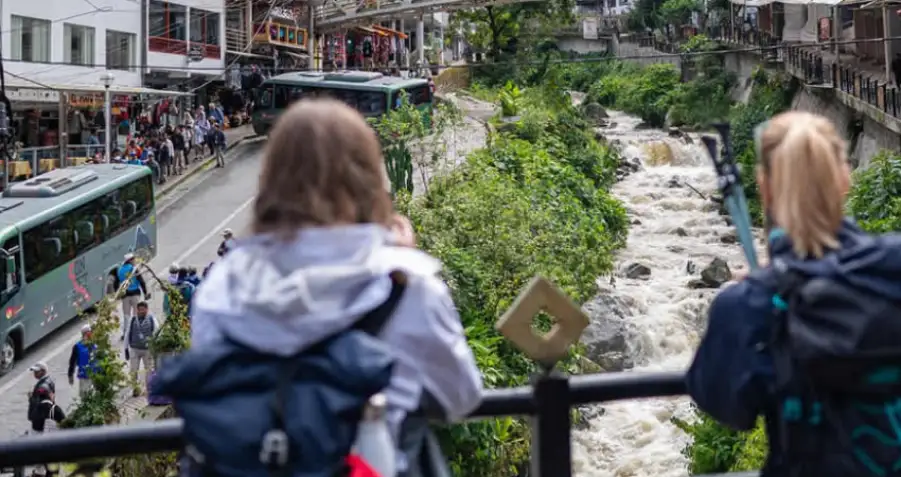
x: 592, y: 59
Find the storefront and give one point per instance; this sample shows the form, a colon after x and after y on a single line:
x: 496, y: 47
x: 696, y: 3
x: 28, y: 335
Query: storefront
x: 57, y: 121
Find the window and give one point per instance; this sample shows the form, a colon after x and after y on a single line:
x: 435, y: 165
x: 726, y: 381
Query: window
x: 417, y: 95
x: 78, y: 44
x: 168, y: 20
x: 120, y: 50
x: 12, y: 248
x: 30, y: 39
x: 60, y: 240
x: 372, y: 103
x: 286, y: 95
x: 204, y: 27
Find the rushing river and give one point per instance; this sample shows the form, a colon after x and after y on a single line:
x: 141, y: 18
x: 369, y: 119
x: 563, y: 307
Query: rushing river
x: 675, y: 234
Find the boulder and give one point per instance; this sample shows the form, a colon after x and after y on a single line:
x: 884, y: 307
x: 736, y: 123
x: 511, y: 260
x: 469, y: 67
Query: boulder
x: 681, y: 232
x: 638, y: 271
x: 605, y: 338
x: 596, y: 113
x: 729, y: 238
x: 716, y: 273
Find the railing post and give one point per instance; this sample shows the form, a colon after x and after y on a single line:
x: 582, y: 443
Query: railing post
x: 551, y: 438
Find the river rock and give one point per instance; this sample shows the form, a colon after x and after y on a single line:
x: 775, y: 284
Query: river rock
x: 674, y: 183
x: 680, y: 231
x: 638, y: 271
x: 729, y: 238
x: 605, y: 338
x: 636, y: 222
x: 674, y: 132
x: 595, y: 112
x: 675, y: 248
x: 716, y: 273
x: 691, y: 267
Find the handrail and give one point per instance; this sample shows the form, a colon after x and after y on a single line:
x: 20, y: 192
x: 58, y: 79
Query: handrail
x: 548, y: 393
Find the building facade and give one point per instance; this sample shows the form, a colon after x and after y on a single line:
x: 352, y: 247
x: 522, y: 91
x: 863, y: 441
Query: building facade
x: 185, y: 46
x: 67, y: 42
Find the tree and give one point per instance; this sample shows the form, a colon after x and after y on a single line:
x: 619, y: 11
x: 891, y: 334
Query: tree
x: 497, y: 30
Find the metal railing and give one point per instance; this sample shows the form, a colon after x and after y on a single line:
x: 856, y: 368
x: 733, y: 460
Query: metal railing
x: 547, y: 401
x: 806, y: 64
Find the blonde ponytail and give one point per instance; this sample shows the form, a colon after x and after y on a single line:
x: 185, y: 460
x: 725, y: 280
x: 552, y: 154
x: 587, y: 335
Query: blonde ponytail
x: 803, y: 159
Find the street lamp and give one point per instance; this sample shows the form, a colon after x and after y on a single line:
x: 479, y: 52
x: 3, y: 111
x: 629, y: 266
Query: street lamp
x: 107, y: 80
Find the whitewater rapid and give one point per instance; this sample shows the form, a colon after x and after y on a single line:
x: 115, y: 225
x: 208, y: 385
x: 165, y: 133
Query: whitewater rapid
x: 672, y: 225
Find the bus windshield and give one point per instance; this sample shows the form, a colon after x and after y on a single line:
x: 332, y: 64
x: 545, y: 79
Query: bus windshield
x: 368, y: 103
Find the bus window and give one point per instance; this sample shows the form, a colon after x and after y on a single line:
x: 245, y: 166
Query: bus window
x: 372, y: 103
x: 43, y: 251
x: 286, y: 95
x: 12, y: 248
x: 417, y: 95
x: 137, y: 200
x: 83, y: 225
x: 266, y: 98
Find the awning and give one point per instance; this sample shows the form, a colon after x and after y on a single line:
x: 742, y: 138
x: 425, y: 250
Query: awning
x: 867, y: 4
x: 23, y: 90
x: 389, y: 31
x: 371, y: 31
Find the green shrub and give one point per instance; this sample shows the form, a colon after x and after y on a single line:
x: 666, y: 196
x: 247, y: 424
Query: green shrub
x: 875, y: 198
x: 535, y: 201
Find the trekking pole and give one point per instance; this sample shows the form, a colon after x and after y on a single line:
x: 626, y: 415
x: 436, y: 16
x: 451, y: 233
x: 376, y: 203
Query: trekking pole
x: 729, y: 183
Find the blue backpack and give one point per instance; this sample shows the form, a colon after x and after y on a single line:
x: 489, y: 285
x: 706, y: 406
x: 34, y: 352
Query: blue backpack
x: 837, y: 355
x: 250, y: 414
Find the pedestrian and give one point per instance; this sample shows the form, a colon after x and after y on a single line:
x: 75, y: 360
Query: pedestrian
x: 319, y: 266
x: 142, y: 328
x: 133, y: 290
x: 82, y: 362
x: 227, y: 244
x: 218, y: 142
x: 178, y: 142
x: 811, y: 342
x: 43, y: 412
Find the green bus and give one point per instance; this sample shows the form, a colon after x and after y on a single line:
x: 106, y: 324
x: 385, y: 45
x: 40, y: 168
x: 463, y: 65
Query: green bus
x: 63, y: 235
x: 367, y: 92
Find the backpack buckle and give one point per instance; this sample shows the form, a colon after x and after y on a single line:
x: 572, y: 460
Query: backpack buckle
x: 274, y: 451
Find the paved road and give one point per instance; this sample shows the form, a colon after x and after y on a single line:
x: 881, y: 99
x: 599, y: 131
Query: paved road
x: 190, y: 218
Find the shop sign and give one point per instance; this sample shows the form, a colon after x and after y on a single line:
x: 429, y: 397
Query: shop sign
x: 85, y: 100
x: 33, y: 95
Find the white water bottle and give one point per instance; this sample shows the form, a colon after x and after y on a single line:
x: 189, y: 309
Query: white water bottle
x: 374, y: 442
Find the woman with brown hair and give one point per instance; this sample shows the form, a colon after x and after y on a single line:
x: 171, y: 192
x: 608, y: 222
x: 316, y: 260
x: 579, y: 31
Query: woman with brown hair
x: 328, y: 248
x: 791, y: 342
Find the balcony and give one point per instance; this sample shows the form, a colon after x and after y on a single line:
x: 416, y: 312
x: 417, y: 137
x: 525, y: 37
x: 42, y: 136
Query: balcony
x: 180, y: 47
x: 279, y: 34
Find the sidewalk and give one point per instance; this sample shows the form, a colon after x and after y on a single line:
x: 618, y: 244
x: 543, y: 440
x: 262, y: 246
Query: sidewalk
x: 136, y: 408
x: 233, y: 137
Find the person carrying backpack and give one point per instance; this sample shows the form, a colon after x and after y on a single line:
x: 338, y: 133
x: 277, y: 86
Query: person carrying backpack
x: 184, y: 288
x: 812, y: 341
x: 325, y: 307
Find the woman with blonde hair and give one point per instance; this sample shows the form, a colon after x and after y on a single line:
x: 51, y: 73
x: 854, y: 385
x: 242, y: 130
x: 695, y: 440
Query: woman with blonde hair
x: 805, y: 341
x: 327, y: 252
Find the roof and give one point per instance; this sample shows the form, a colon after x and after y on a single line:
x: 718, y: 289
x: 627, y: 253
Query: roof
x: 18, y: 211
x: 354, y: 80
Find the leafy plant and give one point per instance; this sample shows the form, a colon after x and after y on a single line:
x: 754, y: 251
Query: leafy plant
x: 509, y: 98
x: 535, y: 201
x: 875, y: 198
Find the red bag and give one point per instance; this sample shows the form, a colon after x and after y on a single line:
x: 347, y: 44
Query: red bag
x: 359, y: 467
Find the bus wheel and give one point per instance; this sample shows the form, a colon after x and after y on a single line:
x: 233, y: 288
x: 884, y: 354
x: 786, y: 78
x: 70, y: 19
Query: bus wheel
x: 7, y: 355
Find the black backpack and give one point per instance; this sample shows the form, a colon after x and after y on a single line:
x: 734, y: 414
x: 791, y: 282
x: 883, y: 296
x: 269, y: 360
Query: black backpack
x: 837, y: 355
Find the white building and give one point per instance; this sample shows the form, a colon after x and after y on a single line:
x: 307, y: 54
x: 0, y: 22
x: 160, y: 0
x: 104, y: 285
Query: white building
x: 71, y: 42
x: 185, y: 42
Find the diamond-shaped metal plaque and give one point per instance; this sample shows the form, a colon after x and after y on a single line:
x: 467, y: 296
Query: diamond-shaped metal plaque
x: 542, y: 295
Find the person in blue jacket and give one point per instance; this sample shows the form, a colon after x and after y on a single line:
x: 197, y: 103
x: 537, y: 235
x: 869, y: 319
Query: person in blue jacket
x: 135, y: 289
x: 803, y: 177
x: 82, y: 362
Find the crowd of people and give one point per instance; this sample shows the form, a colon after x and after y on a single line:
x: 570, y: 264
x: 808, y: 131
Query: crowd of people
x: 169, y: 150
x: 330, y: 289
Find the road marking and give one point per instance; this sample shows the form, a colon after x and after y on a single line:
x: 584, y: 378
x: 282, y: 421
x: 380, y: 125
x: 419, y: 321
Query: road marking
x: 56, y: 352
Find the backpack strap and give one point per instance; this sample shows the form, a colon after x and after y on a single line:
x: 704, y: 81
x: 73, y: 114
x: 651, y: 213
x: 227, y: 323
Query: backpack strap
x: 372, y: 323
